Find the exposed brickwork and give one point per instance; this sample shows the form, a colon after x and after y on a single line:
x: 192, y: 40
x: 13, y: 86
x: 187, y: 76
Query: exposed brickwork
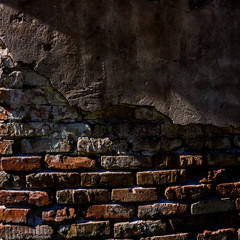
x: 21, y: 163
x: 126, y: 172
x: 134, y: 195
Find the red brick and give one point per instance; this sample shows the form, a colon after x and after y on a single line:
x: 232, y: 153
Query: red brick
x: 13, y: 232
x: 110, y: 211
x: 139, y: 228
x: 59, y: 215
x: 180, y: 236
x: 107, y: 179
x: 85, y: 230
x: 160, y: 209
x: 215, y: 176
x: 228, y: 189
x: 24, y: 198
x: 186, y: 192
x: 53, y: 180
x: 67, y: 162
x: 6, y: 147
x: 177, y: 161
x: 14, y: 215
x: 21, y: 163
x: 237, y: 202
x: 226, y: 234
x: 134, y: 195
x: 163, y: 177
x: 81, y: 196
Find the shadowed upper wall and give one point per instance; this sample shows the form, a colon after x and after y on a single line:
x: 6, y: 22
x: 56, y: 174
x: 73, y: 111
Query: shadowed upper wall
x: 183, y: 57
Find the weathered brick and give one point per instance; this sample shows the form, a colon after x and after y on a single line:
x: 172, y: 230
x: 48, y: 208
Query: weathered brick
x: 212, y: 206
x: 184, y: 131
x: 237, y: 203
x: 67, y: 162
x: 37, y: 198
x: 180, y: 236
x: 208, y: 143
x: 79, y: 196
x: 134, y: 195
x: 223, y: 160
x: 101, y: 145
x: 107, y: 179
x: 13, y: 113
x: 126, y: 162
x: 90, y: 229
x: 46, y: 145
x: 53, y: 180
x: 14, y: 215
x: 186, y: 192
x: 215, y: 176
x: 13, y: 232
x: 11, y: 181
x: 23, y: 96
x: 190, y: 223
x: 177, y: 161
x: 72, y: 130
x: 59, y: 215
x: 6, y: 147
x: 33, y: 129
x: 109, y: 211
x: 163, y: 177
x: 46, y: 112
x: 224, y: 234
x: 160, y: 209
x: 228, y: 189
x: 21, y: 163
x: 139, y: 228
x: 155, y: 144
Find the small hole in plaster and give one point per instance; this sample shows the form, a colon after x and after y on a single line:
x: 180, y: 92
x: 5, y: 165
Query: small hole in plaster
x: 47, y: 47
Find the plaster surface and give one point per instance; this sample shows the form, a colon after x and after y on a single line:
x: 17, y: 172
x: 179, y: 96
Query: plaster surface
x: 183, y: 57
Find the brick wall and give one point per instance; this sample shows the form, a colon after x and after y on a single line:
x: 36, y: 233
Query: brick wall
x: 126, y: 172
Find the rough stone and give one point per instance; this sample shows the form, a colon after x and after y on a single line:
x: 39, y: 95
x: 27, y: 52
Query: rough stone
x: 150, y: 114
x: 13, y: 80
x: 91, y: 229
x: 212, y: 206
x: 139, y: 228
x: 126, y: 162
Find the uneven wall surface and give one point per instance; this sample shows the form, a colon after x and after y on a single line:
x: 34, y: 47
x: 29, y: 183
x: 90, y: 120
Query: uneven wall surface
x: 180, y: 56
x: 92, y: 94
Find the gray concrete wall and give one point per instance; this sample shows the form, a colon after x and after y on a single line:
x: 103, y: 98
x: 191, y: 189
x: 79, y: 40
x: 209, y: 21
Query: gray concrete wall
x: 183, y: 57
